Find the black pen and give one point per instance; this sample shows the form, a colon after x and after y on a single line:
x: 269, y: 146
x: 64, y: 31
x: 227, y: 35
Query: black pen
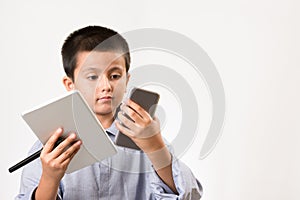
x: 31, y: 157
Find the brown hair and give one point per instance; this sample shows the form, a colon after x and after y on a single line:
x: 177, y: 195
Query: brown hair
x: 92, y: 38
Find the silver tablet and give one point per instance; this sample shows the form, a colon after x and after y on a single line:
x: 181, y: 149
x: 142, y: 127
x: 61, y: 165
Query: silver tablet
x: 71, y: 112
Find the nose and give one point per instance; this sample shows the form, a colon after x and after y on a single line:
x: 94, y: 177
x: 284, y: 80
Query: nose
x: 104, y: 85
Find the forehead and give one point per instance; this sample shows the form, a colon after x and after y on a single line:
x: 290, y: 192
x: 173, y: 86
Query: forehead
x: 99, y: 60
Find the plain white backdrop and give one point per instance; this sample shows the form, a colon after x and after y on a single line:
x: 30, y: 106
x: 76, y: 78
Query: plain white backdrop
x: 254, y: 45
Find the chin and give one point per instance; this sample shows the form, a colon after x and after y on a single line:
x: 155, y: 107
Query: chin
x: 103, y: 112
x: 104, y: 109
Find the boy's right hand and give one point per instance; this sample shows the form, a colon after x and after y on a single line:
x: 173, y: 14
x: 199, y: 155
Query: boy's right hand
x: 55, y: 160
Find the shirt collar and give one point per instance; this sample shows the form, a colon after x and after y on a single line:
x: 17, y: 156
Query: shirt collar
x: 113, y: 129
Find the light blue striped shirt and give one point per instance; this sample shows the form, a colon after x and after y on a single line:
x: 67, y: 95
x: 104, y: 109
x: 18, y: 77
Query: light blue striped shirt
x: 127, y: 175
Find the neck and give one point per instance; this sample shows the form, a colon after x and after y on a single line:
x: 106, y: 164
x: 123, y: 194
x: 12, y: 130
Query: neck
x: 106, y: 120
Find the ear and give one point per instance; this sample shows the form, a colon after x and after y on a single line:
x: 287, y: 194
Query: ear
x: 127, y: 78
x: 68, y: 83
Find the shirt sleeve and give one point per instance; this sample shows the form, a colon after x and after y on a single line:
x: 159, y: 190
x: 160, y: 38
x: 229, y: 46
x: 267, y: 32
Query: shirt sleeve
x: 30, y: 176
x: 187, y: 185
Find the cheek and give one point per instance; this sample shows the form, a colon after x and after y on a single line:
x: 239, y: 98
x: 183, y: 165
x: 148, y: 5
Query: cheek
x: 88, y: 93
x: 84, y: 86
x: 121, y: 86
x: 120, y: 89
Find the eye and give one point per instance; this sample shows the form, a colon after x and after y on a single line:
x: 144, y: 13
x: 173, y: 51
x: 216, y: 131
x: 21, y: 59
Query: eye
x: 115, y: 76
x: 92, y: 77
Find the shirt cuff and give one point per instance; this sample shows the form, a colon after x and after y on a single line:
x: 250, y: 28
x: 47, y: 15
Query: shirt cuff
x: 158, y: 184
x: 33, y: 195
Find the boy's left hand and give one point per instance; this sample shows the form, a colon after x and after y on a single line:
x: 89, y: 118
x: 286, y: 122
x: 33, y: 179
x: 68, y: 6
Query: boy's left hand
x: 142, y: 128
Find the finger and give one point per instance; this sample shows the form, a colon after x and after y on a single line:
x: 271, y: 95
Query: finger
x: 143, y: 113
x: 51, y: 141
x: 155, y: 118
x: 69, y: 152
x: 127, y: 122
x: 67, y: 161
x: 63, y: 145
x: 124, y: 130
x: 132, y: 114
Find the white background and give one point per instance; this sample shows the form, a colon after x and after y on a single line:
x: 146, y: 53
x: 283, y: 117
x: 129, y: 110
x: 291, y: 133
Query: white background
x: 254, y: 45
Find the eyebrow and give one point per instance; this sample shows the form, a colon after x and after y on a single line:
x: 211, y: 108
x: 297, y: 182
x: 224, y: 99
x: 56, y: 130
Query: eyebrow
x: 115, y: 68
x: 91, y: 69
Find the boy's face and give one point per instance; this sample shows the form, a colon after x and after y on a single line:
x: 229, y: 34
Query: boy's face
x: 102, y: 79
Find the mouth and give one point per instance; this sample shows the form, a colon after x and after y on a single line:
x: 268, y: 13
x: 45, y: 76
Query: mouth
x: 104, y: 98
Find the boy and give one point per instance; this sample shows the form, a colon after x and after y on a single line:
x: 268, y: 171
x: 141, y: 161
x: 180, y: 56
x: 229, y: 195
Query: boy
x: 96, y: 61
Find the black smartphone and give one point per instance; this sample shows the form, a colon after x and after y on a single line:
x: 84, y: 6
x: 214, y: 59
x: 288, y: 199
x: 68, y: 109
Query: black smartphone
x: 148, y: 100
